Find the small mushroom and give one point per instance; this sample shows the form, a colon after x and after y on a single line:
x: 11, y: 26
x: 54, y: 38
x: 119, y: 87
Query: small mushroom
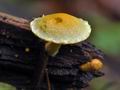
x: 59, y: 29
x: 93, y: 65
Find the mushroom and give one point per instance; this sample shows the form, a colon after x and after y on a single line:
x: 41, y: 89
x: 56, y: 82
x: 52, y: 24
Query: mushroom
x: 59, y: 29
x: 93, y: 65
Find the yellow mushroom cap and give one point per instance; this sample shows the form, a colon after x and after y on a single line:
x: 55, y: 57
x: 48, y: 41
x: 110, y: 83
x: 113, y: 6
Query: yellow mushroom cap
x: 61, y: 28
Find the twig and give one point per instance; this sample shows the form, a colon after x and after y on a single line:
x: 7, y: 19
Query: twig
x: 15, y: 21
x: 48, y: 80
x: 40, y: 71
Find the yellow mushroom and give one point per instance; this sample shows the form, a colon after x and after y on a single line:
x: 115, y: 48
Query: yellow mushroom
x: 58, y: 29
x: 93, y: 65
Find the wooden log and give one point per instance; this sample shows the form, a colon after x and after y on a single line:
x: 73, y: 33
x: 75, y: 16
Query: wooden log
x: 18, y: 44
x: 22, y: 56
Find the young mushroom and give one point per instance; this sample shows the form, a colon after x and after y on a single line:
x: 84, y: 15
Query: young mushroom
x: 93, y: 65
x: 59, y: 29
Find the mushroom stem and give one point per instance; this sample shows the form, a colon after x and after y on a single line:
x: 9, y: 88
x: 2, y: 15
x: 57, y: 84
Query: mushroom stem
x: 52, y: 48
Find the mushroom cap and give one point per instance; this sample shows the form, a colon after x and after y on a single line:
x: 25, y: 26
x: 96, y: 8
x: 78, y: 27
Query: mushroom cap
x: 61, y: 28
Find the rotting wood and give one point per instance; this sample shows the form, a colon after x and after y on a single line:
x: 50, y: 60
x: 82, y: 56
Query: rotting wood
x: 23, y: 24
x: 59, y: 70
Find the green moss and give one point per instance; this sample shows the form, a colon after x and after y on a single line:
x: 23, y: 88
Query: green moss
x: 5, y: 86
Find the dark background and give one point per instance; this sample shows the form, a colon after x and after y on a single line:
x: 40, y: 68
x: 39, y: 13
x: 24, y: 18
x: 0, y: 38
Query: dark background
x: 103, y: 16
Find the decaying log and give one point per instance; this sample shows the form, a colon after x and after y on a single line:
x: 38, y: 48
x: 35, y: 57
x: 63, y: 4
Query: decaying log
x: 22, y: 53
x: 23, y: 59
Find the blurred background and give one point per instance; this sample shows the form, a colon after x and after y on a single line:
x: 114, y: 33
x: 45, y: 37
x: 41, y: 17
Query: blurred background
x: 103, y: 16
